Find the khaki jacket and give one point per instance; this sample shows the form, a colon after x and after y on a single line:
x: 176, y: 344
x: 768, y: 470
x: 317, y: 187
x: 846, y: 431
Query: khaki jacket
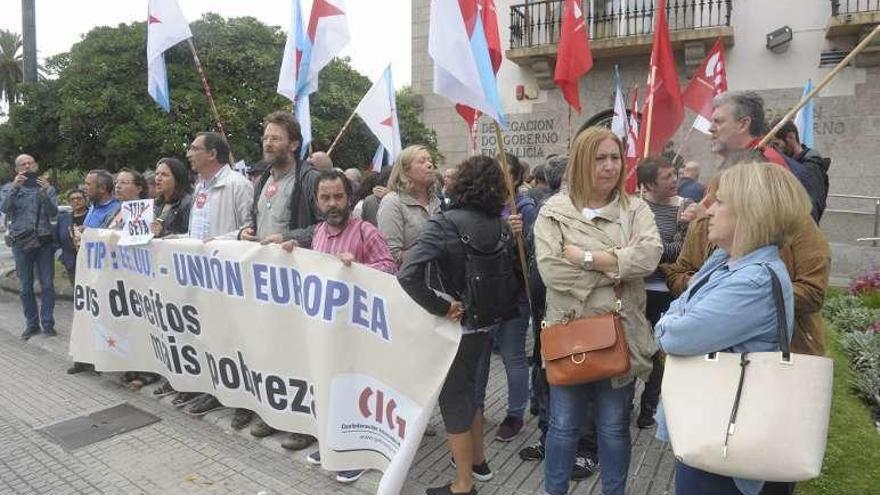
x: 573, y: 291
x: 400, y: 220
x: 808, y: 260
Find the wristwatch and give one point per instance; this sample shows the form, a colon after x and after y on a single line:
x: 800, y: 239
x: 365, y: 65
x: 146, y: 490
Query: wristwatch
x: 588, y: 260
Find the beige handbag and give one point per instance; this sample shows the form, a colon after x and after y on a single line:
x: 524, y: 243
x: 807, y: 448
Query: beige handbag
x: 756, y: 415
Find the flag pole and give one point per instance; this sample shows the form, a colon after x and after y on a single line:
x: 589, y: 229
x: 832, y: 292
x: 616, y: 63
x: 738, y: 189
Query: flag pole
x: 505, y: 170
x: 806, y: 98
x: 341, y: 132
x: 569, y: 128
x: 647, y: 149
x: 207, y: 89
x: 683, y: 141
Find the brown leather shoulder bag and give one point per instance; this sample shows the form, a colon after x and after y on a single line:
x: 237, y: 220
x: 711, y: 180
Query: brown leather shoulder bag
x: 587, y: 349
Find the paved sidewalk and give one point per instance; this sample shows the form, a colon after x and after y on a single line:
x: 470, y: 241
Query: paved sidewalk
x: 184, y: 454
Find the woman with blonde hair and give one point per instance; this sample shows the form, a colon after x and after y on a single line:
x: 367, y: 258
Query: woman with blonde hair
x: 411, y: 202
x: 589, y: 239
x: 729, y: 304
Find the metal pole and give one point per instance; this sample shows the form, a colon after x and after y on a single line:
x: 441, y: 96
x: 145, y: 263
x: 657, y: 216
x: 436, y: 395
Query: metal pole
x: 29, y: 40
x: 876, y: 222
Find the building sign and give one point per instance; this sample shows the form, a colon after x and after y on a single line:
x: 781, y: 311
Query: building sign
x: 525, y: 137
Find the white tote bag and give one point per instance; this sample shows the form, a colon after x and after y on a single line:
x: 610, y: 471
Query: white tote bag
x: 757, y: 415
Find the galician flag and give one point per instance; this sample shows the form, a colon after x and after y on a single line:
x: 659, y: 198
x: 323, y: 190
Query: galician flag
x: 462, y: 64
x: 379, y: 158
x: 306, y: 52
x: 619, y: 122
x: 166, y: 27
x: 378, y: 109
x: 803, y: 120
x: 108, y: 341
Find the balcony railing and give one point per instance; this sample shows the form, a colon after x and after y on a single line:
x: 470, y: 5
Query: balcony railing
x: 843, y: 7
x: 539, y: 23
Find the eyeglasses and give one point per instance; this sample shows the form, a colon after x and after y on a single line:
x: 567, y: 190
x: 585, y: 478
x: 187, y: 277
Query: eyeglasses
x: 124, y: 182
x: 196, y: 148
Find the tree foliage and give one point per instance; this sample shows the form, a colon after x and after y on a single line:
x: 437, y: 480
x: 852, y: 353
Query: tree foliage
x: 97, y: 114
x: 10, y: 65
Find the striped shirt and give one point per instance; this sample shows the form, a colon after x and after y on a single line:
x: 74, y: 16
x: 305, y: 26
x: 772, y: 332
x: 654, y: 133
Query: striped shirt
x: 672, y: 234
x: 361, y: 239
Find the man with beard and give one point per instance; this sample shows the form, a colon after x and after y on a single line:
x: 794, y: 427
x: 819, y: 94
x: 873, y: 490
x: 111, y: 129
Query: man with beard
x: 283, y: 210
x: 283, y: 207
x: 349, y: 239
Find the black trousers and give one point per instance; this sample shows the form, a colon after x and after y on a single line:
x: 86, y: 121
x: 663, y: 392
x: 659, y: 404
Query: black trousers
x: 777, y: 488
x: 657, y: 303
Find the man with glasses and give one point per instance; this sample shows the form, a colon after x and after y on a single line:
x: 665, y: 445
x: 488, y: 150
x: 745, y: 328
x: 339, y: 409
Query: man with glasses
x: 283, y: 210
x: 30, y: 204
x: 221, y: 203
x: 222, y: 197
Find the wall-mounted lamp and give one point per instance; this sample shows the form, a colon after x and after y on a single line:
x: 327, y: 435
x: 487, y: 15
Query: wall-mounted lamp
x: 778, y: 41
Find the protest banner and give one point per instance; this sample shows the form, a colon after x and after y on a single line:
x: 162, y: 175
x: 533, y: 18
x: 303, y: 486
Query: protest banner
x: 311, y: 345
x: 137, y: 216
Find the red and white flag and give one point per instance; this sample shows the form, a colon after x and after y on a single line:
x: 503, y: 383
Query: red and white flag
x: 710, y: 80
x: 573, y: 58
x: 632, y: 145
x: 664, y: 93
x: 378, y: 109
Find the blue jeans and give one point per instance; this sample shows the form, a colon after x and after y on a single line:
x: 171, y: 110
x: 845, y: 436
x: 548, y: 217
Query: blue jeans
x: 510, y: 336
x: 568, y: 406
x: 43, y: 260
x: 692, y: 481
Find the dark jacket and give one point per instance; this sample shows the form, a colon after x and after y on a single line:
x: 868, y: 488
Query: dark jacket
x: 67, y: 257
x: 439, y: 256
x: 176, y: 221
x: 304, y: 213
x: 818, y: 166
x: 22, y: 206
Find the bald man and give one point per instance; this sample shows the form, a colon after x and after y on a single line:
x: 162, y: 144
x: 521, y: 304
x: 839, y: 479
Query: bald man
x: 29, y: 203
x: 321, y: 161
x: 688, y: 184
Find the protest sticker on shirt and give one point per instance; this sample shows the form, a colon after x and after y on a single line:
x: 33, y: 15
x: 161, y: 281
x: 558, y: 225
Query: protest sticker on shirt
x: 201, y: 199
x: 137, y: 216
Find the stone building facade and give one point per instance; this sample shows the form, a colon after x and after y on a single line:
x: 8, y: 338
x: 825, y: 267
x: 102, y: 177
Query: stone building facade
x: 822, y: 32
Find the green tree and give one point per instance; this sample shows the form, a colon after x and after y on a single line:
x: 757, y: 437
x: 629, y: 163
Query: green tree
x: 97, y: 112
x: 10, y: 66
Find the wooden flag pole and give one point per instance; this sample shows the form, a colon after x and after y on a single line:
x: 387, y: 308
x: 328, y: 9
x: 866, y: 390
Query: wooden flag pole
x: 647, y: 149
x: 520, y: 244
x: 806, y: 98
x: 207, y: 89
x: 341, y: 132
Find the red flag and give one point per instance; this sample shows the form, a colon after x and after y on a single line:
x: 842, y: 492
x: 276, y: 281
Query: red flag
x: 489, y: 18
x: 710, y: 80
x: 664, y: 93
x: 573, y: 58
x: 632, y: 145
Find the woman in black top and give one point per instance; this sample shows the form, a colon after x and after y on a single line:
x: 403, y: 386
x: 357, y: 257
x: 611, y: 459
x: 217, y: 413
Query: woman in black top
x: 173, y: 198
x: 478, y: 196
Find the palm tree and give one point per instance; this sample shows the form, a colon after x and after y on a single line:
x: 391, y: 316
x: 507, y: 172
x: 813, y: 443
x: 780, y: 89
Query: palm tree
x: 10, y: 65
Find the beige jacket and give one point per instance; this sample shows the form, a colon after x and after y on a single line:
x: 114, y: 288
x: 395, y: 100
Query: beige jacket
x: 400, y: 220
x: 573, y: 291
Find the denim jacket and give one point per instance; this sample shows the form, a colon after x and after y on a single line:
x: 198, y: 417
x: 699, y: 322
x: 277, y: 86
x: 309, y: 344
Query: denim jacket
x: 734, y: 311
x: 21, y: 204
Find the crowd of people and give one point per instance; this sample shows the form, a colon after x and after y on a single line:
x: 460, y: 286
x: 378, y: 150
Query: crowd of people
x: 673, y: 262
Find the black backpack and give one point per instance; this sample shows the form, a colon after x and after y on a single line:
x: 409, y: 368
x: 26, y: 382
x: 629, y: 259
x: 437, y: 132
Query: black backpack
x: 492, y: 286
